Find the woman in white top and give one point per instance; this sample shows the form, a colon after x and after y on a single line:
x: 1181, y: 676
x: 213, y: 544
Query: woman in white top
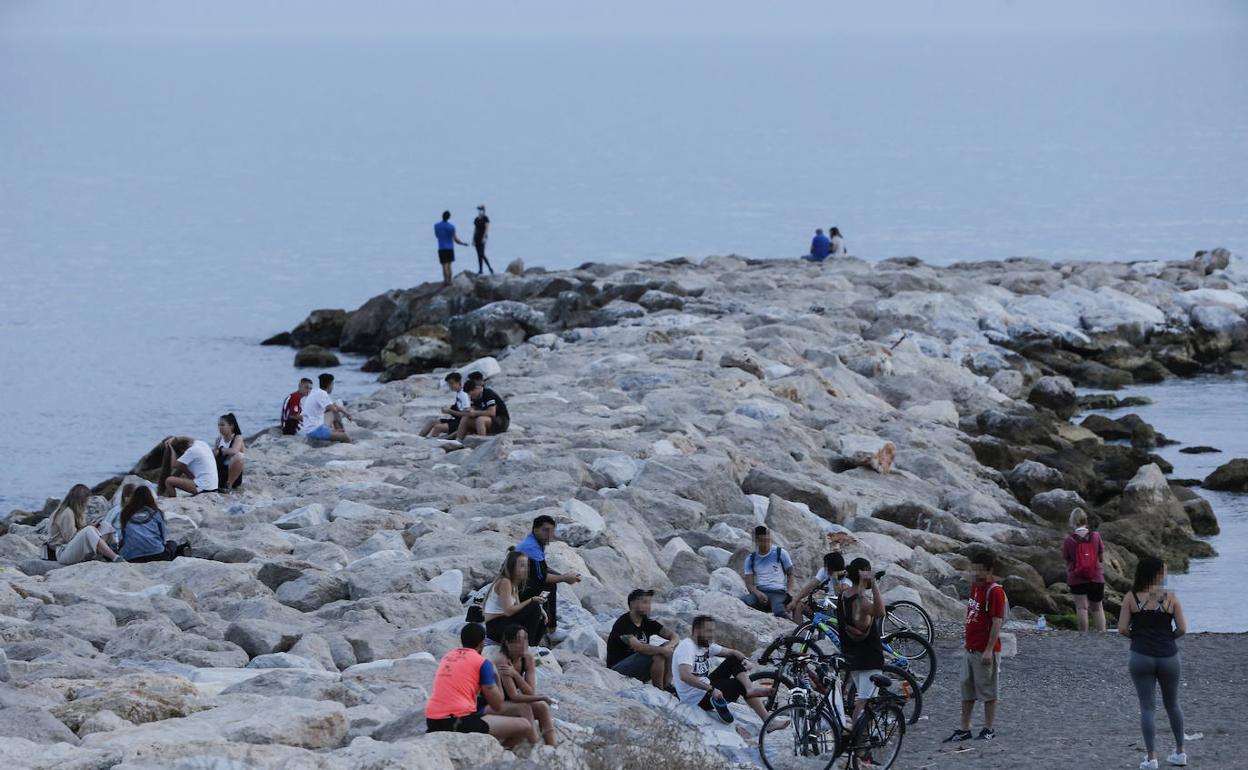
x: 188, y: 466
x: 838, y: 242
x: 70, y: 538
x: 503, y: 606
x: 229, y: 451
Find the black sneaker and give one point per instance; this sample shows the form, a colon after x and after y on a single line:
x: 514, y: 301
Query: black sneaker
x: 721, y: 710
x: 985, y: 734
x: 958, y: 736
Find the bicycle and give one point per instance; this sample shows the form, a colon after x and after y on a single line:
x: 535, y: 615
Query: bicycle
x: 899, y: 616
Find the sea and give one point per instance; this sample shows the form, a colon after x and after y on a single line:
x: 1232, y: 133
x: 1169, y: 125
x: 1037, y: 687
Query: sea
x: 165, y: 204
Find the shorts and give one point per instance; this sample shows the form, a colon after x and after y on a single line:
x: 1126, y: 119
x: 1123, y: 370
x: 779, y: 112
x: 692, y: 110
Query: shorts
x: 473, y: 723
x: 446, y: 256
x: 636, y: 665
x: 451, y: 423
x: 1094, y: 591
x: 320, y: 432
x: 979, y: 680
x: 863, y: 685
x: 498, y: 425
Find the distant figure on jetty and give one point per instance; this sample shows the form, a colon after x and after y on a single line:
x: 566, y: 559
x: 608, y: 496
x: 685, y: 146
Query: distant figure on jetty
x: 1083, y: 551
x: 453, y: 705
x: 838, y: 242
x: 820, y: 247
x: 629, y: 651
x: 449, y: 425
x: 517, y: 675
x: 228, y: 452
x: 542, y: 579
x: 1152, y: 618
x: 768, y: 576
x: 981, y: 661
x: 445, y: 233
x: 316, y: 406
x: 188, y: 466
x: 292, y: 409
x: 480, y: 233
x: 70, y: 538
x: 488, y: 415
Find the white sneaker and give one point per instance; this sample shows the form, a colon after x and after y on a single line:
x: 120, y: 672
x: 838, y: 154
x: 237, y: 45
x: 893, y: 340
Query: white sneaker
x: 1148, y: 764
x: 1178, y: 759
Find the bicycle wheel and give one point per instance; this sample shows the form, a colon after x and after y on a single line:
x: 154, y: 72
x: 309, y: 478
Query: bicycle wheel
x: 904, y: 685
x: 919, y: 657
x: 784, y: 651
x: 878, y: 735
x: 778, y: 686
x: 908, y: 616
x: 810, y: 741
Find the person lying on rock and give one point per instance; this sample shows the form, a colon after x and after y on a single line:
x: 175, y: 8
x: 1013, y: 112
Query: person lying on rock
x: 188, y: 466
x: 488, y: 415
x: 141, y: 534
x: 228, y: 452
x: 322, y: 418
x: 462, y: 676
x: 629, y: 651
x: 70, y: 538
x: 697, y: 685
x: 292, y: 408
x: 505, y: 604
x: 449, y: 425
x: 542, y: 579
x: 517, y: 675
x: 830, y: 579
x: 768, y: 576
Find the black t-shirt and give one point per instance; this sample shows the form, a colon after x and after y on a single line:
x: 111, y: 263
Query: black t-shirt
x: 478, y: 228
x: 617, y: 649
x: 490, y: 398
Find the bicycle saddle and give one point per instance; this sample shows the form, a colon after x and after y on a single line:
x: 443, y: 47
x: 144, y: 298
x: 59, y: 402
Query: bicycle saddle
x: 881, y: 681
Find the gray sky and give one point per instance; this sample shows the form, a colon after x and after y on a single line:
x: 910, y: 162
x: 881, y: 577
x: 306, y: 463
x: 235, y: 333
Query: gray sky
x: 636, y: 18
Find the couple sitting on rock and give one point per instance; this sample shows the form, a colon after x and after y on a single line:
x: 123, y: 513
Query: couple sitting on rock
x: 311, y: 412
x: 136, y: 532
x: 525, y: 591
x: 476, y: 409
x: 190, y: 466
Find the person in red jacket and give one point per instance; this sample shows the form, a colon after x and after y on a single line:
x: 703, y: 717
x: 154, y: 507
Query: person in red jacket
x: 292, y: 408
x: 1084, y: 552
x: 981, y: 661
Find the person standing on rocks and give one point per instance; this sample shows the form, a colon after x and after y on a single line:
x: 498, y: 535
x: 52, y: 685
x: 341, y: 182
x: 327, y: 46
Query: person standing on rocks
x: 488, y: 415
x: 505, y: 604
x: 444, y: 231
x: 316, y: 406
x: 70, y: 538
x: 188, y: 466
x: 981, y: 661
x: 1084, y: 551
x: 291, y: 409
x: 629, y: 651
x: 768, y: 576
x: 697, y: 685
x: 480, y: 233
x: 543, y: 580
x: 463, y: 675
x: 1152, y: 618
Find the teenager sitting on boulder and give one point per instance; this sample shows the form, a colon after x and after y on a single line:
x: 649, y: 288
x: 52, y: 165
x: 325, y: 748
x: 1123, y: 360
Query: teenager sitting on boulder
x: 449, y: 425
x: 517, y: 674
x: 629, y: 651
x: 322, y: 418
x: 463, y: 676
x: 188, y: 466
x: 70, y: 538
x: 488, y: 415
x: 229, y: 451
x: 503, y: 605
x: 541, y: 579
x: 141, y: 536
x: 292, y: 408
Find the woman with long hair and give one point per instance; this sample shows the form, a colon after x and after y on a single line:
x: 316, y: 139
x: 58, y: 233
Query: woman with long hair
x: 1152, y: 618
x: 141, y: 534
x: 1083, y: 551
x: 503, y: 606
x: 71, y: 539
x: 517, y: 674
x: 189, y: 466
x: 228, y: 452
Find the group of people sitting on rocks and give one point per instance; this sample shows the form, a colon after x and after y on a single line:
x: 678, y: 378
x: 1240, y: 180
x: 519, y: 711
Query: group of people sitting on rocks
x: 311, y: 412
x: 477, y: 409
x: 133, y: 530
x: 191, y: 466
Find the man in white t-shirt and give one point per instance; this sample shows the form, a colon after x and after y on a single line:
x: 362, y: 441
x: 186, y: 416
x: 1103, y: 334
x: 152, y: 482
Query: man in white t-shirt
x: 316, y: 405
x: 768, y: 576
x: 188, y: 466
x: 712, y: 690
x: 449, y: 425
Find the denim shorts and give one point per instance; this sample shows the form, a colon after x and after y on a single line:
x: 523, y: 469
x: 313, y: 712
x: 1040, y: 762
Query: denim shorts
x: 320, y: 432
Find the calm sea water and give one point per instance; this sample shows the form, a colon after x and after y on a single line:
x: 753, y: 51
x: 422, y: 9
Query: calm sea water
x: 165, y: 205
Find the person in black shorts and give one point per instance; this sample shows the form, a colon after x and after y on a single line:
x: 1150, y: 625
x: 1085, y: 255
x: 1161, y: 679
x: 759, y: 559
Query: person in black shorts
x: 480, y: 233
x: 463, y: 675
x: 488, y: 415
x: 444, y: 231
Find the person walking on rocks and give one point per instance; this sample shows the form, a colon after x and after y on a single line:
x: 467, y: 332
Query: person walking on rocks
x: 1152, y: 618
x: 543, y: 580
x: 70, y: 538
x: 444, y: 231
x: 228, y: 452
x: 768, y: 576
x: 1084, y: 551
x: 463, y: 675
x: 517, y: 675
x: 488, y: 415
x: 981, y: 661
x: 291, y: 409
x: 188, y: 466
x: 505, y: 604
x: 712, y: 690
x: 481, y: 233
x: 449, y: 425
x: 629, y: 651
x: 316, y: 406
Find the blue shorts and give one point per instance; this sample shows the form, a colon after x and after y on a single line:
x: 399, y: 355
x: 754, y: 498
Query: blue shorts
x: 320, y: 432
x: 635, y: 665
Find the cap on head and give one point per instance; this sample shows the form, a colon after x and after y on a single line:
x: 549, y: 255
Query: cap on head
x: 637, y: 593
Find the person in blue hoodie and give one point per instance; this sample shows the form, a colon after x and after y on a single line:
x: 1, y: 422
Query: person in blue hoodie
x: 541, y: 577
x: 820, y: 248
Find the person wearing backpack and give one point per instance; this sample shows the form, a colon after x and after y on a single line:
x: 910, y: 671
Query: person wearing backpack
x: 1083, y: 551
x: 981, y: 660
x: 768, y: 576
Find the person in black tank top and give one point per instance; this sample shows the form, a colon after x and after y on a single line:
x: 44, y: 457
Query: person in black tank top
x: 858, y: 611
x: 517, y: 674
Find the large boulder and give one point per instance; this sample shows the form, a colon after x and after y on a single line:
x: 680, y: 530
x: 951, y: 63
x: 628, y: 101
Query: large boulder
x: 1150, y: 520
x: 1056, y: 394
x: 1229, y: 477
x: 315, y: 357
x: 1030, y: 478
x: 493, y: 327
x: 408, y: 354
x: 321, y: 327
x: 822, y: 501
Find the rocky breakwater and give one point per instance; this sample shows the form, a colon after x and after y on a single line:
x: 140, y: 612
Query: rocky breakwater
x: 659, y: 412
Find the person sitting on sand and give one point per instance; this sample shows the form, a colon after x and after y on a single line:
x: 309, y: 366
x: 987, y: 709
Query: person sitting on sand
x: 228, y: 452
x: 322, y: 418
x: 449, y: 425
x: 188, y: 466
x: 820, y: 247
x: 141, y: 536
x: 291, y: 408
x: 1083, y: 550
x: 830, y: 579
x: 629, y: 651
x: 463, y: 675
x: 768, y: 576
x: 70, y: 538
x: 837, y: 242
x: 488, y: 415
x: 712, y: 690
x: 503, y: 605
x: 517, y: 674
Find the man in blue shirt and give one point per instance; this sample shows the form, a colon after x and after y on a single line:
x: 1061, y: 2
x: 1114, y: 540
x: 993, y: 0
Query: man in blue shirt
x: 820, y: 247
x: 445, y: 232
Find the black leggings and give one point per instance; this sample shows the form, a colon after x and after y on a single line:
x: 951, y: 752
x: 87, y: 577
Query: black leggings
x: 724, y: 679
x: 482, y: 261
x: 529, y: 618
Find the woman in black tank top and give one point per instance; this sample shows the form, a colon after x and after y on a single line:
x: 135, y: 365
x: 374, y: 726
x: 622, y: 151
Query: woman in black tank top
x: 517, y: 675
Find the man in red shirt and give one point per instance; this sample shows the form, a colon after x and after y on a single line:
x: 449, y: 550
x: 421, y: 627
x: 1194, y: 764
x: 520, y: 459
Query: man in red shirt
x: 981, y: 662
x: 292, y: 408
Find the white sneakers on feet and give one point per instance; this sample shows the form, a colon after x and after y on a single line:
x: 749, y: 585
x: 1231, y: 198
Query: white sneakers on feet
x: 1178, y: 759
x: 1148, y: 764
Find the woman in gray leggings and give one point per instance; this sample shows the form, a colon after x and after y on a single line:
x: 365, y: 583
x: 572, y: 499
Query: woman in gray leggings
x: 1152, y: 619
